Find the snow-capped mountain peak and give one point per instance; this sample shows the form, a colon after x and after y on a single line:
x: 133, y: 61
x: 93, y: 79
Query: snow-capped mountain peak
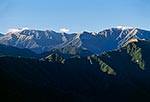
x: 123, y: 27
x: 40, y: 41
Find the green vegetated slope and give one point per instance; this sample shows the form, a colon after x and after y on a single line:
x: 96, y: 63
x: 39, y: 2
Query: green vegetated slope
x: 120, y: 75
x: 67, y: 52
x: 73, y: 50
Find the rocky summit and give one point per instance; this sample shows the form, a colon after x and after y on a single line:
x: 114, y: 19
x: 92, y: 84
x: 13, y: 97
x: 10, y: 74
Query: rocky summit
x: 41, y: 41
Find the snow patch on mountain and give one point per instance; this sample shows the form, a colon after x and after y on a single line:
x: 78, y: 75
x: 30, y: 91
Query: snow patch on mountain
x: 64, y: 30
x: 40, y: 41
x: 123, y: 27
x: 94, y: 33
x: 17, y: 30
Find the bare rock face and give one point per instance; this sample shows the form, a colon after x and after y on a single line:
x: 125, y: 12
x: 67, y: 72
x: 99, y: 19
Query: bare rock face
x: 41, y: 41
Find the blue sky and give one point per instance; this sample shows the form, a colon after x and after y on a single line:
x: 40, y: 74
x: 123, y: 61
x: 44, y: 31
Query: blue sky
x: 76, y: 15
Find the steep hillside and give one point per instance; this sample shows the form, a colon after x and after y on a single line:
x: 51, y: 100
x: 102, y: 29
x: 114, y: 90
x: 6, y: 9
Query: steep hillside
x: 120, y: 75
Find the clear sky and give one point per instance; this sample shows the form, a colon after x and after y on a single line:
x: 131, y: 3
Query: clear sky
x: 76, y: 15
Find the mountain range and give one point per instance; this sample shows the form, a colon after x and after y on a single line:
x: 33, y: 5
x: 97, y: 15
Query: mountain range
x: 46, y: 66
x: 40, y: 41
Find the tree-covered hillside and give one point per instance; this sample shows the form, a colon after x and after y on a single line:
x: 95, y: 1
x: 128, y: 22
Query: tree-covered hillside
x: 122, y: 75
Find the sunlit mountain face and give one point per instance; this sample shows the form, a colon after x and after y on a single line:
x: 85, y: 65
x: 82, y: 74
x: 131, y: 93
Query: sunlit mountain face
x: 41, y: 41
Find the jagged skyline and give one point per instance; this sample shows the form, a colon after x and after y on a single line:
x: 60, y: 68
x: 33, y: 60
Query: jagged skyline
x: 41, y: 41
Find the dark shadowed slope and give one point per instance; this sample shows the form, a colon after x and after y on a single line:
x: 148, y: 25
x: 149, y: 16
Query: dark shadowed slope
x: 13, y: 51
x: 117, y: 76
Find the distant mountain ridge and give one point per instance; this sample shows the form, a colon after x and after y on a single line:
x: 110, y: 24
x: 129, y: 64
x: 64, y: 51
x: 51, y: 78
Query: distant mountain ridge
x: 41, y: 41
x: 36, y: 40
